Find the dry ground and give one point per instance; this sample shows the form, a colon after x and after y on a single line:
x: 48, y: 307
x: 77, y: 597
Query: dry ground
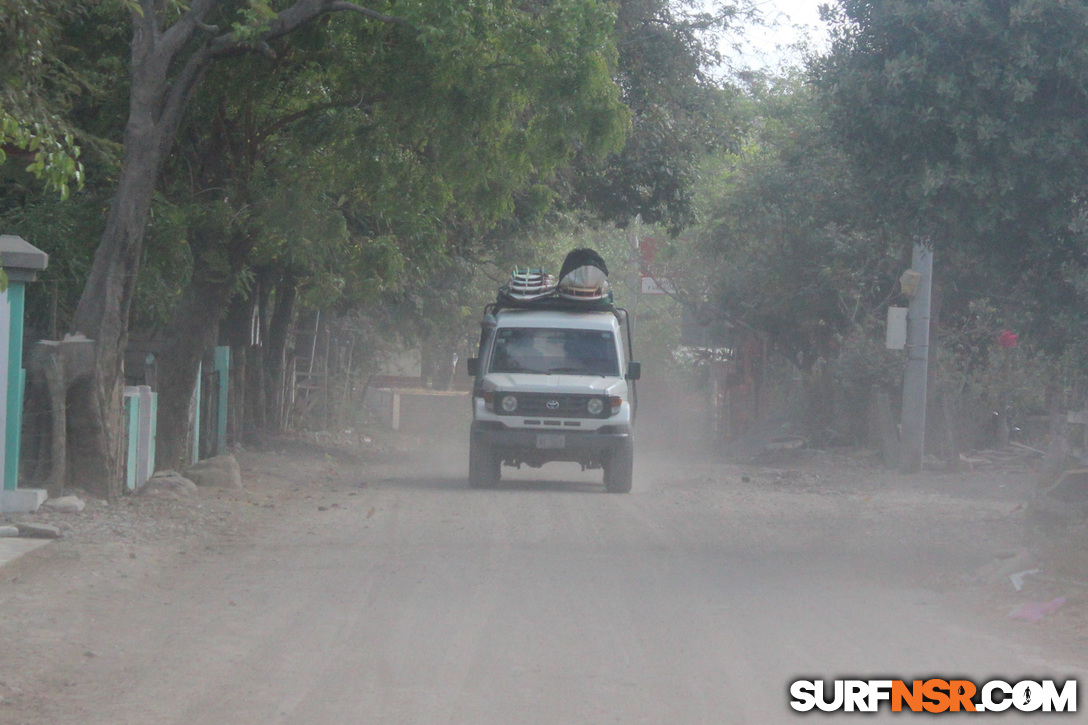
x: 953, y: 534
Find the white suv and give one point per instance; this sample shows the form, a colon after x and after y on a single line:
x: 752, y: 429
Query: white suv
x: 553, y: 383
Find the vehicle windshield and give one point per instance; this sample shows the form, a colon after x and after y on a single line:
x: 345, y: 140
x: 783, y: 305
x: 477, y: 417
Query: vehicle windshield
x: 550, y: 351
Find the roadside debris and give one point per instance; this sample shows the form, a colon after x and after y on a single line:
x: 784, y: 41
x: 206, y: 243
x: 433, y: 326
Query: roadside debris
x: 217, y: 472
x: 1017, y: 579
x: 1014, y: 455
x: 1037, y: 611
x: 1005, y: 565
x: 168, y: 484
x: 1066, y: 500
x: 38, y: 531
x: 65, y: 505
x: 784, y: 443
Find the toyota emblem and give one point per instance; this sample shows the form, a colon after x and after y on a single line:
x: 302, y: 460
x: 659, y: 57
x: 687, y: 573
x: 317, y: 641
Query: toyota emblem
x: 553, y: 405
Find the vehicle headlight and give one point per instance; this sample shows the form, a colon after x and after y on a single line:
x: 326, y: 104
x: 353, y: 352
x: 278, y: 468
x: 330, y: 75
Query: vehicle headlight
x: 509, y: 403
x: 595, y: 406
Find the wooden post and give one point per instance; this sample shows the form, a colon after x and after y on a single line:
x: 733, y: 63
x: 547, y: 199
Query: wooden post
x: 56, y: 381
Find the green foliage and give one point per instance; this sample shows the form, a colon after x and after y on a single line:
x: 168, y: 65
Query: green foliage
x: 68, y: 234
x: 863, y: 363
x: 370, y: 161
x: 679, y: 114
x: 35, y: 93
x: 971, y: 117
x: 376, y: 160
x: 962, y: 122
x: 791, y: 247
x: 253, y: 21
x: 495, y: 99
x: 972, y: 109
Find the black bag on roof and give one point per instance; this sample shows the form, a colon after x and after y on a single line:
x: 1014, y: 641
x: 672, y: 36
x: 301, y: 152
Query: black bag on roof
x: 581, y: 258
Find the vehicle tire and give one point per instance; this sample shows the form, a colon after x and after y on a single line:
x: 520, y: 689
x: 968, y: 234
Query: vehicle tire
x: 619, y: 469
x: 483, y: 465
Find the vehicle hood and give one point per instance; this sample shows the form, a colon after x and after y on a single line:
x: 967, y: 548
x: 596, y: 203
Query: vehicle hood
x: 536, y: 383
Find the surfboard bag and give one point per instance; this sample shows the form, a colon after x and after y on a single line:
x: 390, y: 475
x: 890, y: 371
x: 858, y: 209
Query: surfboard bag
x: 583, y: 276
x: 528, y: 283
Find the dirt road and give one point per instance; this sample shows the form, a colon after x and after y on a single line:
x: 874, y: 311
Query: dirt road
x: 383, y: 590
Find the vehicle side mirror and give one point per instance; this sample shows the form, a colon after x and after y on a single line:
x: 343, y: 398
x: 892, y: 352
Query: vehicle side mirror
x: 634, y: 371
x: 473, y: 366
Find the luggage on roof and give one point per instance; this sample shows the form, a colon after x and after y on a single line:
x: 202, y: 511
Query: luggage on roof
x: 580, y: 258
x: 584, y: 276
x: 529, y: 284
x: 583, y: 283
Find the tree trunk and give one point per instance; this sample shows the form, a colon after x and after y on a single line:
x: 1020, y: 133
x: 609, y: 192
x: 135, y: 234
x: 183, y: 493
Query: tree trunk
x: 819, y: 397
x: 239, y: 368
x: 882, y: 427
x: 155, y: 106
x: 103, y: 311
x: 168, y: 61
x: 194, y: 330
x: 275, y: 361
x: 236, y: 331
x: 258, y: 377
x: 950, y: 405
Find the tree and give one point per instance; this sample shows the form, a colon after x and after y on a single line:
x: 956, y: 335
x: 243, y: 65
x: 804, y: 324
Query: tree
x: 793, y: 249
x: 680, y: 113
x: 350, y: 136
x: 790, y: 246
x: 972, y: 117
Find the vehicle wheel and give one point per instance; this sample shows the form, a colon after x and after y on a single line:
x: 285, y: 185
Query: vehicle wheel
x: 619, y: 469
x: 483, y: 466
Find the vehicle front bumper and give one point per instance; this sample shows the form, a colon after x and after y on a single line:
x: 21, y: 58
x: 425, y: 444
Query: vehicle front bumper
x: 520, y: 445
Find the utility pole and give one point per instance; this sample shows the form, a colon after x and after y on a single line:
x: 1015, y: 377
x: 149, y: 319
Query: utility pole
x: 913, y: 424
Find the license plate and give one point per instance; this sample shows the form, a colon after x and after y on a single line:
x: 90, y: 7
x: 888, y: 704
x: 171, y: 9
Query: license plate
x: 551, y: 440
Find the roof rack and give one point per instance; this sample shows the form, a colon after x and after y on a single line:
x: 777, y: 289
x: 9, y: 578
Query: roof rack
x: 552, y: 302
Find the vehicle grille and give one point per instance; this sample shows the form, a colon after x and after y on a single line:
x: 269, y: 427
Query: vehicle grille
x: 546, y: 405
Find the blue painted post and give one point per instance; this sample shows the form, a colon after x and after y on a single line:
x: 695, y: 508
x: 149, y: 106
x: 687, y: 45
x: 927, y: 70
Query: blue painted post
x: 11, y: 463
x: 145, y: 447
x: 21, y: 262
x: 142, y: 407
x: 13, y: 413
x: 196, y: 416
x: 222, y: 366
x: 132, y: 412
x: 153, y: 413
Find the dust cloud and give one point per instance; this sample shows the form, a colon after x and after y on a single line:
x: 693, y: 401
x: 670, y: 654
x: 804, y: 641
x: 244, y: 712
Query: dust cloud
x: 670, y: 424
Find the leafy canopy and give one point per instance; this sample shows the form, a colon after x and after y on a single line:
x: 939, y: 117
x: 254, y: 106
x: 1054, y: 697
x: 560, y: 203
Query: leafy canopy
x: 35, y: 91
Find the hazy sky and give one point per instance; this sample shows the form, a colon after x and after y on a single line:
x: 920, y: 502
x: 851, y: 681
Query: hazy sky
x: 792, y: 21
x: 801, y: 11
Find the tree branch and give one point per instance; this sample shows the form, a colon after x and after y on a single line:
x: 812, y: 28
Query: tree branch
x: 286, y: 22
x: 315, y: 109
x: 181, y: 32
x: 177, y: 97
x: 343, y: 5
x: 293, y: 18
